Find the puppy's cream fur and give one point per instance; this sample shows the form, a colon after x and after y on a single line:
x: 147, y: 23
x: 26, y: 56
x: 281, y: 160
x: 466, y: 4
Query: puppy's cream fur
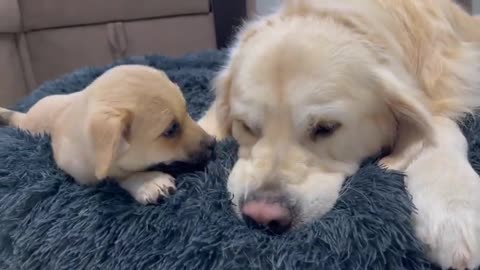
x: 384, y: 73
x: 116, y: 128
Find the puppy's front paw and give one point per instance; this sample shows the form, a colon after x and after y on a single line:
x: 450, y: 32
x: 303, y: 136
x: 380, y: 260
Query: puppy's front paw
x: 400, y: 161
x: 149, y: 187
x: 451, y: 233
x: 392, y: 163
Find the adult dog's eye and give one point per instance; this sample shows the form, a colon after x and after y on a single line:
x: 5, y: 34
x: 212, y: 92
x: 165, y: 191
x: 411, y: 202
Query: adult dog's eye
x: 247, y: 128
x: 172, y: 130
x: 324, y: 129
x: 244, y: 128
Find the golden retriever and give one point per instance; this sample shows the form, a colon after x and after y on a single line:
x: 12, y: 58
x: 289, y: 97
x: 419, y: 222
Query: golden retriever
x: 318, y: 86
x: 130, y: 118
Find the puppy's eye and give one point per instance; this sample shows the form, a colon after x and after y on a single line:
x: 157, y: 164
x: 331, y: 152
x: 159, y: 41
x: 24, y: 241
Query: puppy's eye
x: 172, y: 130
x: 324, y: 129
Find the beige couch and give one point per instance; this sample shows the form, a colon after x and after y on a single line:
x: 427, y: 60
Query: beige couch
x: 43, y: 39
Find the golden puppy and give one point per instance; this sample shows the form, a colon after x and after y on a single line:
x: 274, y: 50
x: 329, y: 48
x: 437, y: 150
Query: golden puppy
x: 313, y: 89
x: 128, y: 119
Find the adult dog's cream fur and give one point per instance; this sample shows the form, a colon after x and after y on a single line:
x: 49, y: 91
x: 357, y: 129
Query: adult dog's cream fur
x: 316, y: 87
x: 128, y: 119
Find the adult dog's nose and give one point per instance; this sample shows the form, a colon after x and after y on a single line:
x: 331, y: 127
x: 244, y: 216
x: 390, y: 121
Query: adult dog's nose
x: 268, y: 210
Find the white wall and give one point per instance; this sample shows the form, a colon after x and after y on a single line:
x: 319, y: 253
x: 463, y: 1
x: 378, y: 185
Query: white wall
x: 476, y: 6
x: 266, y: 6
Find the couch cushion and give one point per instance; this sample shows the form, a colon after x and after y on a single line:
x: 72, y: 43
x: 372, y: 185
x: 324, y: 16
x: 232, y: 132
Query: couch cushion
x: 172, y: 36
x: 12, y: 82
x: 54, y: 52
x: 38, y: 14
x: 9, y: 16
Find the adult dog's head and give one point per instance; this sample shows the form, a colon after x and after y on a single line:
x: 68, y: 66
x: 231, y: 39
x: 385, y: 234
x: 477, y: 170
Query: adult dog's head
x: 308, y: 97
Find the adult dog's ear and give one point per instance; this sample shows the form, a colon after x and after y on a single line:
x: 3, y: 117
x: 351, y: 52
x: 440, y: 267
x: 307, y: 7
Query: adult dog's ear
x: 223, y: 85
x: 414, y: 120
x: 109, y: 133
x: 217, y: 121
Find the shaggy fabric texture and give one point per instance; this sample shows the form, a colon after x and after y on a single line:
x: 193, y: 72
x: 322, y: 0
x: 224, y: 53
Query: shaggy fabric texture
x: 47, y: 221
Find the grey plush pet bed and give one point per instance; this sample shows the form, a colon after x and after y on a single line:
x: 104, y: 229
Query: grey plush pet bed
x: 47, y: 221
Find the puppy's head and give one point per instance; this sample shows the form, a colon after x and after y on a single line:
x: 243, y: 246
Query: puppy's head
x: 137, y: 118
x: 307, y: 101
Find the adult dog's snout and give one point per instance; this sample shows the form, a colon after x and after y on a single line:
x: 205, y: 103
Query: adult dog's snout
x: 271, y: 210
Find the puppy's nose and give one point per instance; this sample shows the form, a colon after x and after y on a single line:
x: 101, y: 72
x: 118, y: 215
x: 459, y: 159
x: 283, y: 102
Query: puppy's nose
x: 205, y: 152
x: 210, y: 143
x: 270, y: 211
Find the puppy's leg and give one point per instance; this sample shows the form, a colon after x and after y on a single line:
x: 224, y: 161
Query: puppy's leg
x: 39, y: 118
x: 149, y: 187
x: 407, y: 149
x: 445, y: 190
x: 11, y: 118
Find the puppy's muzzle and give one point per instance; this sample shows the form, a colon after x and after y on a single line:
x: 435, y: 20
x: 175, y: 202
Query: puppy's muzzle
x: 206, y: 152
x: 272, y: 210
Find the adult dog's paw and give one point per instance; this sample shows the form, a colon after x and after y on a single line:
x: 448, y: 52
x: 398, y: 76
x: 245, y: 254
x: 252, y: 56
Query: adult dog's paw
x: 451, y: 233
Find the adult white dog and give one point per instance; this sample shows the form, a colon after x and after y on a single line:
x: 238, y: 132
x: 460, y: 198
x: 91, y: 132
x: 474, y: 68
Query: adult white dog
x: 318, y: 86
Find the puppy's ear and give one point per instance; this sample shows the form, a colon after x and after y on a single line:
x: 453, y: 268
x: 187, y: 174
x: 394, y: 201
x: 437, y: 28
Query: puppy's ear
x: 414, y: 120
x: 109, y: 134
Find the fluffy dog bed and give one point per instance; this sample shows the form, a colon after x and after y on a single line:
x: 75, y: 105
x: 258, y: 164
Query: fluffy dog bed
x: 47, y: 221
